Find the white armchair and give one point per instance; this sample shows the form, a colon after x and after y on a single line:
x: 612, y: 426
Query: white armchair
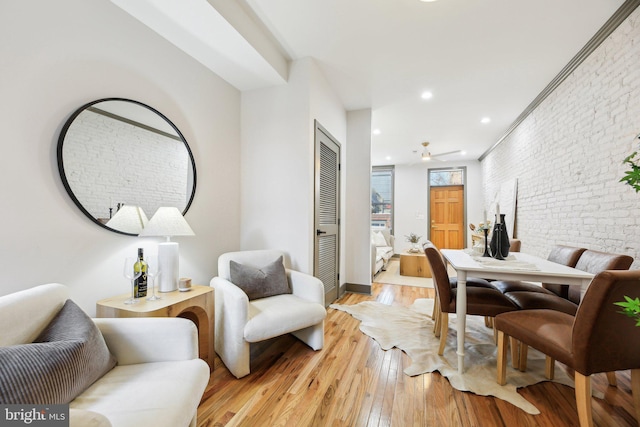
x: 240, y: 321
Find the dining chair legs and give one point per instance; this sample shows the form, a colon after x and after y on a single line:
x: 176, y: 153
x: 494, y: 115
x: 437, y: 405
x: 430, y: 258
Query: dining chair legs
x: 515, y: 352
x: 583, y: 399
x: 635, y: 391
x: 444, y: 330
x: 437, y: 314
x: 495, y: 336
x: 549, y: 367
x: 611, y: 377
x: 522, y: 357
x: 582, y: 382
x: 488, y: 321
x: 502, y: 358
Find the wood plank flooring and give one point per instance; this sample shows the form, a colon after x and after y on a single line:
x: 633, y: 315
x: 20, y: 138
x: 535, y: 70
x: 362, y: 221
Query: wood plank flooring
x: 352, y: 382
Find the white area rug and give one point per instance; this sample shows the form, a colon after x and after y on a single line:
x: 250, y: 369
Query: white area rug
x: 411, y: 330
x: 392, y: 276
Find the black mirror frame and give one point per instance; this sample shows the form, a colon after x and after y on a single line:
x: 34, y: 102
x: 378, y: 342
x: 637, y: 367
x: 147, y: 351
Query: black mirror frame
x: 63, y: 175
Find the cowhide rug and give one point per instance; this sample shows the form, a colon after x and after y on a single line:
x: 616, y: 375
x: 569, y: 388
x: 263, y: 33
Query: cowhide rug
x: 411, y: 330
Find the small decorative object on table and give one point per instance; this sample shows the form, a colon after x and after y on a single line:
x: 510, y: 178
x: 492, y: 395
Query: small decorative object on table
x: 414, y: 239
x: 130, y: 273
x: 484, y: 228
x: 184, y: 284
x: 153, y: 272
x: 500, y: 239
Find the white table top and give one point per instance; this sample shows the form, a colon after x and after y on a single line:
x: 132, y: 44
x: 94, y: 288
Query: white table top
x: 546, y: 271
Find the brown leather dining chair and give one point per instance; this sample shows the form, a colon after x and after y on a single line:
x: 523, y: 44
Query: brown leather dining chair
x: 453, y: 282
x: 535, y: 296
x: 528, y: 296
x: 481, y: 301
x: 597, y: 339
x: 590, y: 261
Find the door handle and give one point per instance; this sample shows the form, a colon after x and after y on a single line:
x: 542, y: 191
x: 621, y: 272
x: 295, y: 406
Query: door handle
x: 319, y: 232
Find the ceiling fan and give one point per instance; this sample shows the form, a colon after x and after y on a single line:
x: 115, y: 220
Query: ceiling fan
x: 426, y: 154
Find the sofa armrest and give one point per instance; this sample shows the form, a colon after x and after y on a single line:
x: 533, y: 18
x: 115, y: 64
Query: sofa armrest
x: 306, y: 286
x: 232, y: 313
x: 149, y: 339
x: 374, y: 254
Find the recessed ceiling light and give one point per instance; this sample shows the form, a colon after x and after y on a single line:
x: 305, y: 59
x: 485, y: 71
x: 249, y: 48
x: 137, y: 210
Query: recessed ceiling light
x: 426, y: 95
x: 462, y: 153
x: 388, y: 158
x: 427, y: 1
x: 485, y: 120
x: 376, y: 132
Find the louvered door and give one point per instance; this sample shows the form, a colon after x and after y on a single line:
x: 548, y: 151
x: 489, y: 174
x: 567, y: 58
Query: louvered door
x: 327, y: 213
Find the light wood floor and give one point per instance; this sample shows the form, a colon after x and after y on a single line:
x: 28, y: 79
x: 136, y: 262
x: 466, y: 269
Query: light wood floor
x: 352, y: 382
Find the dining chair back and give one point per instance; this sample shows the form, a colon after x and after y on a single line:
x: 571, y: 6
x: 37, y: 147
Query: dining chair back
x: 481, y: 301
x: 599, y: 338
x: 595, y: 262
x: 565, y: 255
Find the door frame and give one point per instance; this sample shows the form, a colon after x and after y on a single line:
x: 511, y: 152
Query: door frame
x: 318, y: 128
x: 464, y: 198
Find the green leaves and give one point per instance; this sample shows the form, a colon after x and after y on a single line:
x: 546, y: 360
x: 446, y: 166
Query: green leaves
x: 413, y: 238
x: 632, y: 177
x: 630, y: 308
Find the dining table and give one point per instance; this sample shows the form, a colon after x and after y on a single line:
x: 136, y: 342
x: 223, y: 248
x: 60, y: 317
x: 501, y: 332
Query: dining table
x: 517, y: 266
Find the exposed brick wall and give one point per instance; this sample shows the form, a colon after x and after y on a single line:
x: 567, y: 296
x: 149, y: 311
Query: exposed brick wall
x: 567, y: 155
x: 101, y: 177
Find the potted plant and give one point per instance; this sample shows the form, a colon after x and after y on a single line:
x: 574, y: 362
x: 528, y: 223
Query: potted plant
x: 632, y: 176
x: 414, y: 239
x: 631, y: 307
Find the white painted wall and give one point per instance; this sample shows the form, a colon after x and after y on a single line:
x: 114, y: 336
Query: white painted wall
x: 411, y: 199
x: 278, y: 161
x: 567, y: 156
x: 56, y: 56
x: 357, y: 198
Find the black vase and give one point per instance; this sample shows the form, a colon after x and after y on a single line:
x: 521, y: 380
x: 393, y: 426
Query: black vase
x: 504, y: 238
x: 496, y: 241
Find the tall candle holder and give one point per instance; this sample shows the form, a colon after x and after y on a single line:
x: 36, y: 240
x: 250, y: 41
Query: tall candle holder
x: 486, y: 243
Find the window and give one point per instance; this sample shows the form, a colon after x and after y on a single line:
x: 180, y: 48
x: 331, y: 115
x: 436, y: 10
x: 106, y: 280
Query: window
x: 382, y: 197
x: 444, y: 177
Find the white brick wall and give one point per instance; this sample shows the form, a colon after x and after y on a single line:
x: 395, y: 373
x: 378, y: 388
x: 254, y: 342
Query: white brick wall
x: 567, y: 156
x: 101, y: 177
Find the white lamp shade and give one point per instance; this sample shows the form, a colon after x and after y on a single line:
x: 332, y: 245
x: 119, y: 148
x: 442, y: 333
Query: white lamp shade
x: 129, y: 219
x: 167, y: 222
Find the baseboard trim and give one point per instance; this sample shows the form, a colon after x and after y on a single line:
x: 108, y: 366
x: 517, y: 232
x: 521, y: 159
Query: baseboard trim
x: 359, y: 289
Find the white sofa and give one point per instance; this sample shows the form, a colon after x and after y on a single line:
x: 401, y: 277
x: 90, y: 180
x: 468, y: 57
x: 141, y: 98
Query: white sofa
x: 240, y: 321
x: 158, y: 379
x: 382, y: 242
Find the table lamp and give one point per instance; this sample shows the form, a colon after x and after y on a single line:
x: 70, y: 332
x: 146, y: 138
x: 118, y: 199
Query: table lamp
x: 128, y: 219
x: 167, y: 222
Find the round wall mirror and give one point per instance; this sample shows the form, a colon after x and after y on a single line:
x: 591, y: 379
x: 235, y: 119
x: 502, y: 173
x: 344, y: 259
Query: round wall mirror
x: 120, y: 160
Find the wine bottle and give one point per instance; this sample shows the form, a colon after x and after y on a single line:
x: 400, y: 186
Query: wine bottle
x: 140, y: 286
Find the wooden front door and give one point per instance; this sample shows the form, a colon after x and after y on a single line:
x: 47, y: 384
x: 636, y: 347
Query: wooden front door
x: 447, y: 217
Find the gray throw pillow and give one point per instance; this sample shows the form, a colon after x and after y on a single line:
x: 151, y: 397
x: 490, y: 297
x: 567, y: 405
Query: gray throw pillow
x: 65, y: 359
x: 262, y: 282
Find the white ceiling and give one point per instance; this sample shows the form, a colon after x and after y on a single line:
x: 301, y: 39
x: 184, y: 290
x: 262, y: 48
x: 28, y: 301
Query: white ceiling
x: 479, y: 58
